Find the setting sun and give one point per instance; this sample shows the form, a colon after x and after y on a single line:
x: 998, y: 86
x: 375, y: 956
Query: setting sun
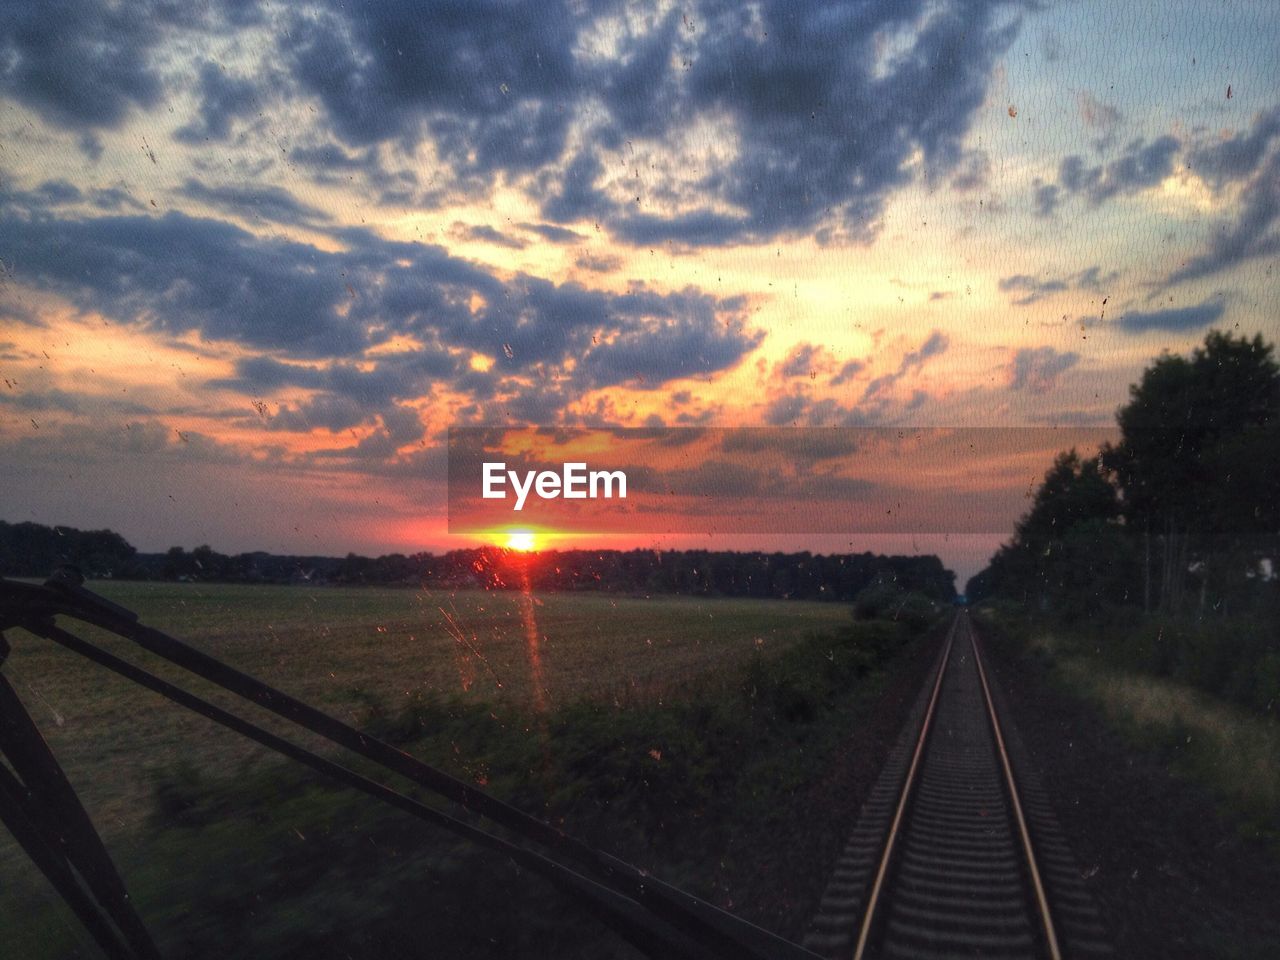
x: 521, y: 540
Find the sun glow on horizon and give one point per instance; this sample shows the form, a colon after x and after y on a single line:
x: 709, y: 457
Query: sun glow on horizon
x: 523, y: 540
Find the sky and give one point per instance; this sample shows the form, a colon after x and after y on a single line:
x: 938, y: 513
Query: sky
x: 257, y: 258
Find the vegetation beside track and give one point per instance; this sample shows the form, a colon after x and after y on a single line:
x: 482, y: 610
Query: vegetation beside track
x: 698, y: 779
x: 1230, y: 746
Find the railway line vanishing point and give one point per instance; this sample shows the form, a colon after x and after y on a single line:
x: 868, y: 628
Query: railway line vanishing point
x: 957, y: 852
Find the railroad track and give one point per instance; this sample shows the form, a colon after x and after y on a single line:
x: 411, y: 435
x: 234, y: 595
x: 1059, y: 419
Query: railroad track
x: 957, y: 852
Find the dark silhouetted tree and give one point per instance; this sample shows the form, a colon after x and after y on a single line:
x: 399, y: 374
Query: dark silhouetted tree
x: 1191, y: 422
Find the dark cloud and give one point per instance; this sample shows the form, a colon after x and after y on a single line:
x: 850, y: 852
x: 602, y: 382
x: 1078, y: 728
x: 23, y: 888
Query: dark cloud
x: 879, y: 385
x: 1248, y: 159
x: 1037, y: 369
x: 1250, y: 235
x: 701, y: 418
x: 484, y: 233
x: 934, y: 345
x: 878, y: 403
x: 330, y: 157
x: 1141, y: 165
x: 575, y: 196
x: 877, y: 393
x: 52, y: 194
x: 175, y: 274
x: 1029, y: 289
x: 795, y: 446
x: 710, y: 478
x: 489, y: 82
x: 671, y: 336
x: 331, y: 164
x: 1175, y: 320
x: 1093, y: 278
x: 828, y: 122
x: 255, y: 202
x: 785, y: 410
x: 52, y: 399
x: 597, y: 262
x: 549, y: 231
x: 91, y: 145
x: 834, y: 486
x: 114, y: 198
x: 1047, y: 198
x: 326, y: 411
x: 1238, y: 157
x: 974, y: 171
x: 697, y: 229
x: 402, y: 425
x: 347, y: 393
x: 1032, y: 287
x: 847, y: 372
x: 58, y: 192
x: 223, y: 98
x: 80, y: 63
x: 803, y: 360
x: 151, y: 441
x: 396, y: 426
x: 325, y: 309
x: 85, y: 64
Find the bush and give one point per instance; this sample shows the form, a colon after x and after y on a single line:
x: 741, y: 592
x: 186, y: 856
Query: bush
x: 884, y: 601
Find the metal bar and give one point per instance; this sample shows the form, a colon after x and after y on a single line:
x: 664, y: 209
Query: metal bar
x: 864, y: 933
x: 1042, y: 900
x: 21, y: 820
x: 611, y: 906
x: 729, y: 936
x: 67, y: 819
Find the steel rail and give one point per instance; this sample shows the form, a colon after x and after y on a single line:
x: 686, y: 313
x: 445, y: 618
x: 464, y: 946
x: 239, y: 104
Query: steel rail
x: 1042, y: 900
x: 882, y: 871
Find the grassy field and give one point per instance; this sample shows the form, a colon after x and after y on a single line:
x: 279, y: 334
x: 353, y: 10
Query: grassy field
x: 679, y: 733
x: 357, y: 651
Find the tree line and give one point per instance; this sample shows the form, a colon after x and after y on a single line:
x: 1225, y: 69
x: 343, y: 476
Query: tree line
x: 1180, y: 515
x: 33, y: 550
x: 1164, y: 548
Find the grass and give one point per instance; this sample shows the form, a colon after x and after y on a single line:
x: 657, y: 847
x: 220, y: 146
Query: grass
x: 666, y: 730
x: 1227, y: 748
x: 363, y: 651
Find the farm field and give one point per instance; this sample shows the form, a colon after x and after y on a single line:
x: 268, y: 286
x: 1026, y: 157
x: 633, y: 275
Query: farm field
x: 356, y: 650
x: 676, y: 732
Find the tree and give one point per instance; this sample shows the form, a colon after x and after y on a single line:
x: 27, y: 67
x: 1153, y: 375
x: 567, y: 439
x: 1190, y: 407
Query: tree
x: 1065, y: 550
x: 1074, y: 490
x: 1186, y: 420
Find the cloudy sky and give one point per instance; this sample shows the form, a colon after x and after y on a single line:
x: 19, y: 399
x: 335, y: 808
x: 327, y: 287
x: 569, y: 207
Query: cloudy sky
x: 257, y: 258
